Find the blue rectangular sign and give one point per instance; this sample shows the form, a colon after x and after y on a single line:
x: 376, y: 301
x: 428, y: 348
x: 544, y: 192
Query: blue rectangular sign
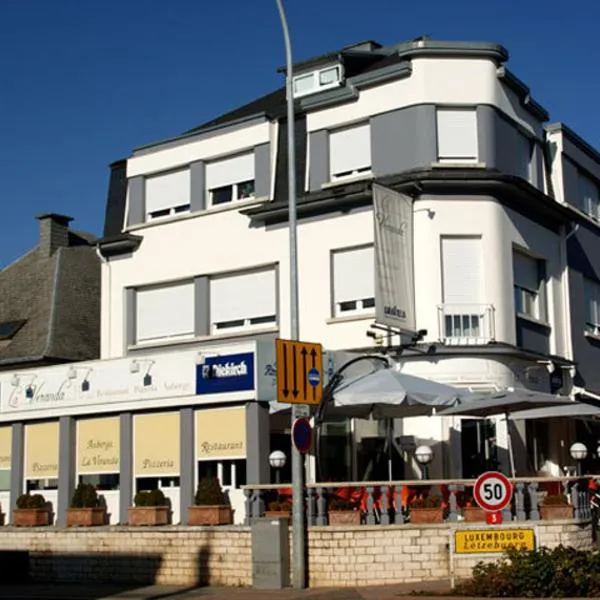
x: 226, y: 373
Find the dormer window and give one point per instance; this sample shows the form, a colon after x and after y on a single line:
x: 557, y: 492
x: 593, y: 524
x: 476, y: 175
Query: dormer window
x: 230, y: 179
x: 168, y: 194
x: 317, y: 81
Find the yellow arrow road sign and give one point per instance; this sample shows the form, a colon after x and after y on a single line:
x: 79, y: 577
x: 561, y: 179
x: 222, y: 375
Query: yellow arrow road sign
x: 299, y: 372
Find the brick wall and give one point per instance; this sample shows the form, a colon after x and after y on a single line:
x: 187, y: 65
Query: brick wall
x: 338, y: 556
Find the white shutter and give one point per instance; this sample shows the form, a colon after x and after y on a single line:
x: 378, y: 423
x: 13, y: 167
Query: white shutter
x: 353, y: 274
x: 167, y: 190
x: 457, y: 134
x: 462, y: 270
x: 246, y: 296
x: 165, y: 312
x: 350, y: 149
x: 526, y: 272
x: 230, y: 170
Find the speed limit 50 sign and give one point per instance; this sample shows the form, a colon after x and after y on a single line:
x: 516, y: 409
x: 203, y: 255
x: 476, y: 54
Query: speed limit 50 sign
x: 493, y: 491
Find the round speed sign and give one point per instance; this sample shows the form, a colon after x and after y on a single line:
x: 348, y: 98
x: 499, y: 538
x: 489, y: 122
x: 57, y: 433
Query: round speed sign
x: 493, y: 491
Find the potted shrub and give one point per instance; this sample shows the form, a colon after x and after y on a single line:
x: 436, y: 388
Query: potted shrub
x: 342, y: 512
x: 278, y: 509
x: 472, y: 513
x: 211, y: 505
x: 151, y: 508
x: 32, y: 511
x: 556, y: 506
x: 86, y: 509
x: 427, y: 509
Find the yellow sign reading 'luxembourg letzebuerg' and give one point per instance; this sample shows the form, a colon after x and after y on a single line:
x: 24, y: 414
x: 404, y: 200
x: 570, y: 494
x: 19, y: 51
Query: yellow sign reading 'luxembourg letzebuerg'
x: 480, y: 541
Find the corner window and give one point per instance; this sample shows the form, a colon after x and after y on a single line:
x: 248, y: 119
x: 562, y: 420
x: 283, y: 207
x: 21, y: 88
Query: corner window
x: 243, y: 301
x: 592, y: 306
x: 350, y: 151
x: 528, y: 285
x: 164, y: 312
x: 589, y: 199
x: 353, y: 281
x: 457, y: 135
x: 230, y: 179
x: 167, y: 194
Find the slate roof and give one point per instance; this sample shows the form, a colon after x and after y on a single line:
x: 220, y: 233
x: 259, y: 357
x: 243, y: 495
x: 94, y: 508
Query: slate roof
x: 58, y: 296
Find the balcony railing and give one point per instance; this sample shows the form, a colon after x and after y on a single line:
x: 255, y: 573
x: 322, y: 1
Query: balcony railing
x: 466, y: 324
x: 391, y: 503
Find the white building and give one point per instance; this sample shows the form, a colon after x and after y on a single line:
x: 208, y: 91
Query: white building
x: 196, y: 262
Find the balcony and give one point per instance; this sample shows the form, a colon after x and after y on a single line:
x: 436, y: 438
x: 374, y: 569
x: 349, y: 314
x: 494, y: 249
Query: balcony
x: 466, y: 324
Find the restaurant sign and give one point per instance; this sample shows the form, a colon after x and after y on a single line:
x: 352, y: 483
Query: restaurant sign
x: 486, y: 541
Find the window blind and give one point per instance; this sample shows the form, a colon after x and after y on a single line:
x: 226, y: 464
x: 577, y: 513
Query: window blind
x: 167, y: 190
x: 457, y: 133
x: 230, y: 170
x: 353, y: 274
x: 350, y: 149
x: 462, y: 270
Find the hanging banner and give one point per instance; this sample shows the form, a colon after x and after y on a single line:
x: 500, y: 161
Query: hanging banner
x: 394, y: 279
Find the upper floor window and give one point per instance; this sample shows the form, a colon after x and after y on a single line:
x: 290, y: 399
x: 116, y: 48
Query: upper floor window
x: 350, y: 151
x: 164, y: 312
x: 457, y: 135
x: 317, y: 81
x: 167, y: 194
x: 353, y: 281
x: 230, y: 179
x: 592, y: 306
x: 589, y: 197
x: 243, y: 301
x: 528, y: 285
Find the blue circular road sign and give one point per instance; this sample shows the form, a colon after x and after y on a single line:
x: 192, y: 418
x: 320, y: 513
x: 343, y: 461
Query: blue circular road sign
x: 314, y: 377
x: 302, y: 434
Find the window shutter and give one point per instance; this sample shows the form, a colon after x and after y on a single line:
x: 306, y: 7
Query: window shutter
x: 230, y: 170
x: 462, y: 270
x: 244, y: 296
x: 457, y: 134
x: 168, y: 190
x: 353, y: 274
x: 350, y: 149
x: 526, y: 272
x: 165, y: 312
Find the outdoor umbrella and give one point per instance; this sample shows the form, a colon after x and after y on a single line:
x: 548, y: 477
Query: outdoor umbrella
x: 574, y: 410
x: 505, y: 403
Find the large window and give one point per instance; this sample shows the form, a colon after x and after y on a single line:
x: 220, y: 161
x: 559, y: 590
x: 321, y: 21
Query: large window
x: 323, y: 79
x: 164, y: 312
x: 230, y: 179
x: 350, y: 151
x: 457, y: 135
x: 353, y: 281
x: 527, y: 272
x: 168, y: 194
x: 243, y: 301
x: 592, y: 306
x: 589, y: 197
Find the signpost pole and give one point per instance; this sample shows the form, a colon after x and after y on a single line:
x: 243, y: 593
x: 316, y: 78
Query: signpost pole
x: 298, y: 524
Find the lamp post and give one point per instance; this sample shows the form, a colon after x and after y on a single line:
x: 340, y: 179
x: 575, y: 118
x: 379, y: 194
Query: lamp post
x: 298, y: 521
x: 424, y: 456
x: 277, y: 460
x: 578, y: 453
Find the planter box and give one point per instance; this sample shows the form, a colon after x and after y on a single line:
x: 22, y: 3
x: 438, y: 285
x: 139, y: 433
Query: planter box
x: 426, y: 515
x: 149, y: 515
x: 31, y: 517
x: 344, y: 517
x: 279, y: 514
x: 473, y: 514
x: 556, y: 511
x: 210, y: 515
x: 86, y: 517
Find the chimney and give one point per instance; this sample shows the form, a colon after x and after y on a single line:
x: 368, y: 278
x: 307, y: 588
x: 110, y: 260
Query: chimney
x: 54, y: 232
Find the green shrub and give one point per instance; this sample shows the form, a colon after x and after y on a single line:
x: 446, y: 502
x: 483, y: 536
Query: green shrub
x: 278, y: 505
x: 31, y: 501
x: 426, y: 502
x: 340, y: 504
x: 543, y: 573
x: 150, y: 498
x: 210, y: 493
x: 85, y: 496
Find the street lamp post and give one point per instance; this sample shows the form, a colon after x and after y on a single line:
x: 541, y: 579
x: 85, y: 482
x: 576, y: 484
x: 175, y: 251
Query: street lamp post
x: 578, y: 453
x: 424, y: 456
x: 298, y: 522
x: 277, y: 460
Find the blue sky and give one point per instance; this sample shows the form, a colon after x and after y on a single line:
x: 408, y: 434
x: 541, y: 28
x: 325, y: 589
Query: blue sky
x: 84, y: 82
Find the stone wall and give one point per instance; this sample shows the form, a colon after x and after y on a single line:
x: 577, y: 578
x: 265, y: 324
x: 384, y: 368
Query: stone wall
x: 338, y: 556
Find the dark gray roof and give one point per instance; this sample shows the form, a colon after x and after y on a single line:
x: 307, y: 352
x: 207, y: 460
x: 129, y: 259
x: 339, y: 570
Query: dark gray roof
x: 58, y: 296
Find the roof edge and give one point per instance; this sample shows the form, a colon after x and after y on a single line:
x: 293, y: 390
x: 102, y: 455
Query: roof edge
x: 523, y: 92
x: 575, y: 138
